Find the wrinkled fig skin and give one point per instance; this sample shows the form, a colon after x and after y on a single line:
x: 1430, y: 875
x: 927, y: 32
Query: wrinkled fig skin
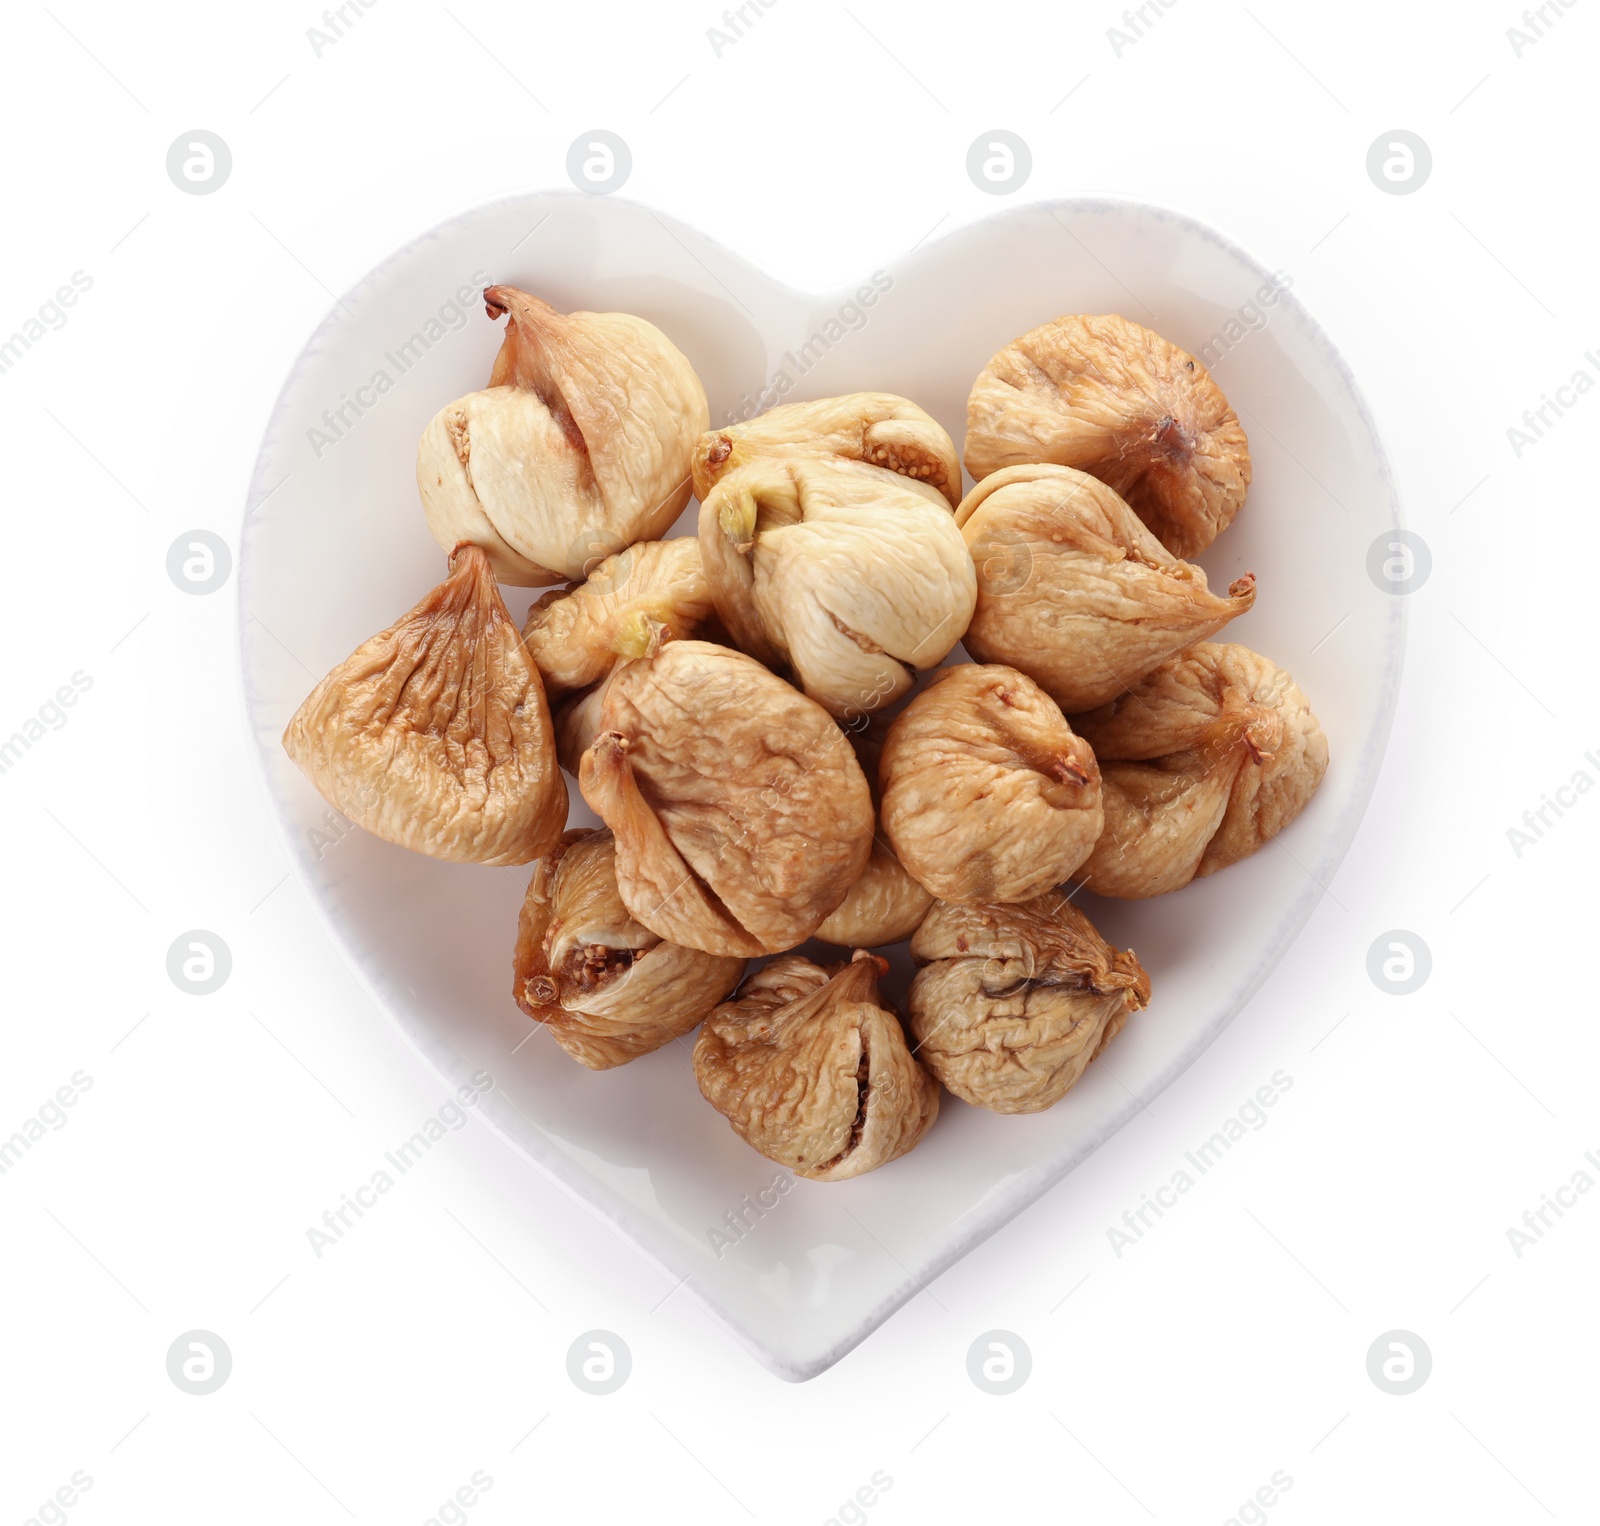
x: 875, y: 427
x: 742, y: 817
x: 1012, y: 1002
x: 846, y: 575
x: 987, y: 794
x: 576, y: 634
x: 579, y: 446
x: 1203, y: 761
x: 1074, y: 591
x: 884, y: 906
x: 813, y: 1072
x: 1125, y: 405
x: 607, y: 989
x: 435, y: 733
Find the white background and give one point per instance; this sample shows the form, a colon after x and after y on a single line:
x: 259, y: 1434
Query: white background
x: 1171, y: 1382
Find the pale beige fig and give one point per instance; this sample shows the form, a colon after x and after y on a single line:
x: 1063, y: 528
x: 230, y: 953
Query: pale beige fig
x: 876, y: 427
x: 607, y: 989
x: 435, y: 734
x: 884, y: 906
x: 812, y: 1070
x: 1120, y: 402
x: 1013, y: 1001
x: 1074, y: 591
x: 987, y: 793
x: 576, y: 634
x: 846, y: 575
x: 741, y: 815
x: 1203, y: 761
x: 579, y: 446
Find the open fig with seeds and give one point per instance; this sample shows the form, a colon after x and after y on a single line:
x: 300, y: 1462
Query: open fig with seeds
x: 576, y: 634
x: 435, y: 733
x: 579, y: 446
x: 875, y: 427
x: 1118, y: 401
x: 1074, y: 591
x: 741, y: 816
x: 812, y: 1070
x: 607, y: 989
x: 1205, y: 759
x: 987, y: 793
x: 1013, y: 1001
x: 847, y: 575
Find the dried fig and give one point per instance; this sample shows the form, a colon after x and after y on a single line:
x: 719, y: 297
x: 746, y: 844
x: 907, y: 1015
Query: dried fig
x: 876, y: 427
x: 742, y: 817
x: 435, y: 733
x: 1203, y: 760
x: 987, y: 794
x: 846, y: 574
x: 1012, y: 1002
x: 1125, y: 405
x: 1074, y: 591
x: 813, y: 1071
x: 576, y: 634
x: 579, y: 446
x: 884, y: 906
x: 608, y: 989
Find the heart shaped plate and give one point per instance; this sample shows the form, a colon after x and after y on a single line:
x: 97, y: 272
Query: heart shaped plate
x: 334, y: 548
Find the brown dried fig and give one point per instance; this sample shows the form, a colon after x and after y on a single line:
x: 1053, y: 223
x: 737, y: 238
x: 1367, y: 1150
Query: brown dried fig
x: 1074, y: 591
x: 579, y: 446
x: 1123, y: 404
x: 1013, y: 1001
x: 742, y: 817
x: 813, y: 1071
x: 576, y: 634
x: 848, y: 575
x: 876, y: 427
x: 1203, y: 760
x: 608, y: 989
x: 987, y: 794
x: 884, y: 906
x: 435, y: 733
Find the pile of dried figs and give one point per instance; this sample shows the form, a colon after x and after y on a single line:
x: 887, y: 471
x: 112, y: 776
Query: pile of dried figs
x: 747, y: 712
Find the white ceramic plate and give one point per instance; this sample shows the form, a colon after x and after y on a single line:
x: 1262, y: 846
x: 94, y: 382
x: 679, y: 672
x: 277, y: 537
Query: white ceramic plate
x: 334, y: 548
